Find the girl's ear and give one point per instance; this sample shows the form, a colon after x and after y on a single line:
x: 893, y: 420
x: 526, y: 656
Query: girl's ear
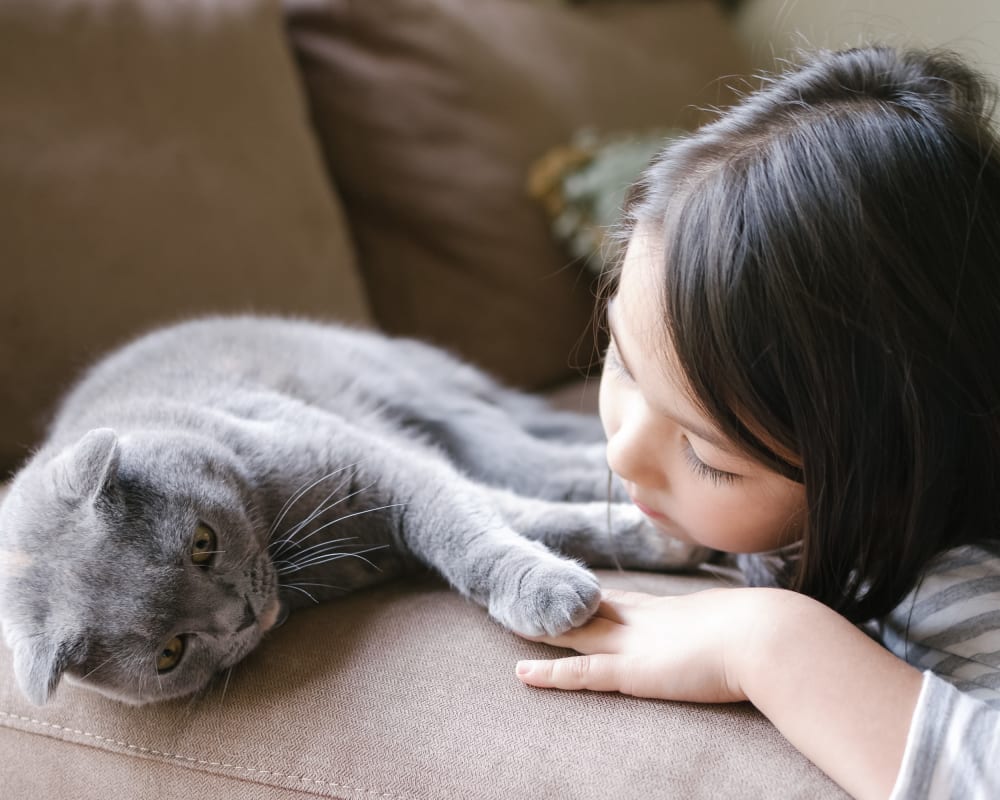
x: 83, y: 471
x: 39, y: 664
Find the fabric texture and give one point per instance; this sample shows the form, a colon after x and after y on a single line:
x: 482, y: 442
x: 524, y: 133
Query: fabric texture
x: 404, y: 692
x: 950, y: 623
x: 950, y: 627
x: 157, y: 162
x: 430, y: 124
x: 953, y: 746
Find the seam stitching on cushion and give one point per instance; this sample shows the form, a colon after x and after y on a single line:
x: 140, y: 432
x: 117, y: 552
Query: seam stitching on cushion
x: 204, y: 762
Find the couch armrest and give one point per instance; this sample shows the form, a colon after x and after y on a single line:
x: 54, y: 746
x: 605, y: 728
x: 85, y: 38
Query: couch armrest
x: 406, y: 692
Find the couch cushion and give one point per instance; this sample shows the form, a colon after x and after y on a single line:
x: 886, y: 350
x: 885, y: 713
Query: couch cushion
x: 404, y: 692
x: 430, y: 113
x: 156, y: 161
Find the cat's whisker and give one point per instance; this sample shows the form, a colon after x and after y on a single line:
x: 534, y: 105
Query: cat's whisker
x: 320, y: 509
x: 348, y: 516
x: 299, y: 589
x: 323, y: 585
x: 326, y: 558
x: 106, y: 661
x: 333, y: 544
x: 225, y: 685
x: 316, y: 557
x: 316, y: 514
x: 323, y: 548
x: 301, y: 493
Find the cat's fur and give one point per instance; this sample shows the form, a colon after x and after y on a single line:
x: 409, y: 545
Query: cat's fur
x: 324, y: 459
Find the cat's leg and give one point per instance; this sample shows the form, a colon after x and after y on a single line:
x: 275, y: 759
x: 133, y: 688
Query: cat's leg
x: 488, y: 445
x: 450, y: 524
x: 443, y: 376
x: 413, y: 500
x: 599, y: 534
x: 536, y: 416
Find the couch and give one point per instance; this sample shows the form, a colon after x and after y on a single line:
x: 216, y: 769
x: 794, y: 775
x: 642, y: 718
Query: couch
x: 362, y: 160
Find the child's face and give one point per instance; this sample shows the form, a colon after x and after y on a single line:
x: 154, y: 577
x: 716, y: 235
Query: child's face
x: 691, y: 483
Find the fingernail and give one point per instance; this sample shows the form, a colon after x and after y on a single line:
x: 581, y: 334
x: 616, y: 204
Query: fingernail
x: 525, y: 667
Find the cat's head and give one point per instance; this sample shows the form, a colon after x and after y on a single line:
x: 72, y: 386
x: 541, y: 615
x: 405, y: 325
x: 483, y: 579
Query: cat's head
x: 132, y: 565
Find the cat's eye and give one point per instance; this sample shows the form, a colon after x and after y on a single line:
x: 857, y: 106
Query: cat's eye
x: 170, y: 655
x: 203, y: 546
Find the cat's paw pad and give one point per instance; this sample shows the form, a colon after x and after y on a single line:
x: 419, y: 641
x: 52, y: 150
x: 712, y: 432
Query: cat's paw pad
x: 551, y: 598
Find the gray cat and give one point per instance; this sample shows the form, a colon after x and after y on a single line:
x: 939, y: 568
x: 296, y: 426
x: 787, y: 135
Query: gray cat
x: 205, y: 480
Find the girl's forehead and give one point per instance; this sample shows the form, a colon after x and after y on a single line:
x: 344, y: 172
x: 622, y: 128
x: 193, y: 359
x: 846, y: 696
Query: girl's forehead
x: 639, y: 296
x: 637, y: 315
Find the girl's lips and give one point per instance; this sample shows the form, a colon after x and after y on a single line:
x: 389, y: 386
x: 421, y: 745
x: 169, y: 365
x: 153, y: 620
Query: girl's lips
x: 648, y: 511
x: 630, y: 489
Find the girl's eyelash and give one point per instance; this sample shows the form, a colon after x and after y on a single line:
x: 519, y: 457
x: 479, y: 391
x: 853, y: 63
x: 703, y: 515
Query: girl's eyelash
x: 611, y: 359
x: 717, y: 476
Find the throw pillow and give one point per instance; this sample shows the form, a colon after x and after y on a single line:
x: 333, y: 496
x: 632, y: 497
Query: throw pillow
x: 156, y: 162
x: 430, y: 113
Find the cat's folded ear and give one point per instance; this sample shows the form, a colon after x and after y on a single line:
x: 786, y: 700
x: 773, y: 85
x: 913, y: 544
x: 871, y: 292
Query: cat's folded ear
x: 39, y: 664
x: 84, y: 470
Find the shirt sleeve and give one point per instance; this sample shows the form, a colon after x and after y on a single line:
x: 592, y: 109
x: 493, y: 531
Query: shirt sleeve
x: 952, y: 749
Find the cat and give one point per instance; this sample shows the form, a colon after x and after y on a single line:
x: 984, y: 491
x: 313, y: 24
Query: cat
x: 208, y: 478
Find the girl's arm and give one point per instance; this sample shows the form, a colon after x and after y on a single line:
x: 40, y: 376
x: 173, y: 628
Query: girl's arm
x: 839, y: 697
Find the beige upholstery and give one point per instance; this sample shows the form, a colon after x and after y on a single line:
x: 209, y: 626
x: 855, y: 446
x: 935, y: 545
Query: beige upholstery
x: 404, y: 692
x: 156, y: 159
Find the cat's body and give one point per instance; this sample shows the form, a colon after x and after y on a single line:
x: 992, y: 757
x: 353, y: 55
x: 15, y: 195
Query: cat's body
x: 202, y: 481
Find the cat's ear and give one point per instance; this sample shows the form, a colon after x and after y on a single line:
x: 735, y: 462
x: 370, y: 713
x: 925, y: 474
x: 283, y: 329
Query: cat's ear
x: 39, y: 664
x: 85, y: 469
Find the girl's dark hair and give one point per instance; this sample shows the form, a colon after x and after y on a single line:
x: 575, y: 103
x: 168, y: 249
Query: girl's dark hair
x: 832, y: 290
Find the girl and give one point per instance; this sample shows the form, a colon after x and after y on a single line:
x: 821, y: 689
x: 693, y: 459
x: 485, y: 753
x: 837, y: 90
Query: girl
x: 805, y: 363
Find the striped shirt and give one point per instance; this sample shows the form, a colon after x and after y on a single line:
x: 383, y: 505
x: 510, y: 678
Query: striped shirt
x: 949, y: 626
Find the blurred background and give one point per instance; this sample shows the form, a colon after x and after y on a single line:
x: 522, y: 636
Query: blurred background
x: 442, y: 169
x: 971, y: 27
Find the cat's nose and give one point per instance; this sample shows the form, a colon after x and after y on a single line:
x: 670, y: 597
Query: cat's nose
x: 249, y: 618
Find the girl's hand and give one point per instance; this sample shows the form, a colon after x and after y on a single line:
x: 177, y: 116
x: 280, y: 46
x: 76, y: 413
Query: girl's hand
x: 686, y: 647
x: 839, y: 697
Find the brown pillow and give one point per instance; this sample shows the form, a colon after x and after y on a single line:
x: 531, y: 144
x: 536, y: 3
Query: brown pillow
x: 430, y: 113
x: 156, y: 162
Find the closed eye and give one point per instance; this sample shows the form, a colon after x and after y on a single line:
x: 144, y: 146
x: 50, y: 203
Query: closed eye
x: 700, y: 468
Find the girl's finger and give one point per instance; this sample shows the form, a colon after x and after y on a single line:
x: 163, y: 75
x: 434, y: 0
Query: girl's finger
x: 620, y: 597
x: 599, y: 673
x: 599, y: 635
x: 616, y: 604
x: 609, y: 611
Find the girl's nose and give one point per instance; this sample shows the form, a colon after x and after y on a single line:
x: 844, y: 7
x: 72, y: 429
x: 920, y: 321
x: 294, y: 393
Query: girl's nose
x: 632, y: 450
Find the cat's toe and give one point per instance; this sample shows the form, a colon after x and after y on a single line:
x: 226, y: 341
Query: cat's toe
x: 551, y: 599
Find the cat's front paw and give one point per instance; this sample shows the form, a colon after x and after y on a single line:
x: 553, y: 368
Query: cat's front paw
x: 551, y: 597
